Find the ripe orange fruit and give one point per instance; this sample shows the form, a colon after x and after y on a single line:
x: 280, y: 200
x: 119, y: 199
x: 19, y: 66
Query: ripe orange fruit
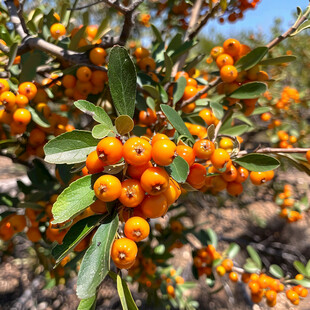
x: 93, y: 163
x: 154, y: 206
x: 189, y: 92
x: 83, y: 74
x: 197, y: 175
x: 21, y: 100
x: 68, y: 81
x: 123, y: 253
x: 27, y: 89
x: 33, y: 234
x: 203, y: 148
x: 187, y: 153
x: 233, y: 277
x: 258, y: 178
x: 147, y: 64
x: 22, y: 116
x: 220, y: 158
x: 147, y: 117
x: 57, y: 30
x: 107, y: 188
x: 230, y: 174
x: 132, y: 193
x: 173, y: 192
x: 4, y: 85
x: 137, y: 151
x: 136, y: 228
x: 308, y: 156
x: 216, y: 51
x: 232, y: 47
x: 164, y: 152
x: 110, y: 150
x: 97, y: 56
x: 136, y: 172
x: 220, y: 270
x: 228, y: 73
x: 98, y: 77
x: 181, y: 73
x: 224, y: 60
x: 141, y: 52
x: 243, y: 174
x: 154, y: 180
x: 234, y: 188
x: 36, y: 137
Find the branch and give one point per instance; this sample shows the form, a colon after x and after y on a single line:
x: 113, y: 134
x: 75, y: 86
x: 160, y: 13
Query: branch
x: 291, y: 30
x: 3, y: 48
x: 226, y: 116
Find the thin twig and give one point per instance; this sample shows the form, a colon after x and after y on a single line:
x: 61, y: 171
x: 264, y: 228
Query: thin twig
x: 226, y: 116
x: 3, y: 48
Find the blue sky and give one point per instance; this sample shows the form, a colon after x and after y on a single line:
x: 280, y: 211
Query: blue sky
x: 261, y: 18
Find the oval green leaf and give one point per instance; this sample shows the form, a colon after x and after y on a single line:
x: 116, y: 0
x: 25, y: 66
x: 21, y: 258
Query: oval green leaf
x: 249, y: 91
x: 96, y: 262
x: 278, y: 60
x: 178, y: 89
x: 179, y: 169
x: 122, y: 80
x: 252, y: 58
x: 70, y: 147
x: 258, y: 162
x: 74, y: 199
x: 254, y: 256
x: 124, y: 124
x: 276, y: 271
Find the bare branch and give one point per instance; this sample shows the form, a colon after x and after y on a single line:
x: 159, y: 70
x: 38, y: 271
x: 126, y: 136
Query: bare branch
x: 3, y: 48
x: 226, y: 116
x: 268, y: 150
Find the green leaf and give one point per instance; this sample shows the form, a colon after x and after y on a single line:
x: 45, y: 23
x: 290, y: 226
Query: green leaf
x: 157, y: 34
x: 304, y: 282
x: 249, y: 90
x: 278, y: 60
x: 252, y: 58
x: 74, y: 43
x: 29, y: 63
x: 174, y: 44
x: 254, y: 256
x: 122, y: 80
x: 178, y: 89
x: 96, y: 262
x: 308, y: 267
x: 299, y: 266
x: 153, y: 91
x: 251, y: 267
x: 97, y: 113
x: 38, y: 118
x: 30, y: 205
x: 121, y: 292
x: 168, y: 66
x: 74, y: 199
x: 233, y: 250
x: 150, y: 103
x: 100, y: 131
x: 75, y: 234
x: 217, y: 109
x: 102, y: 30
x: 179, y: 169
x: 258, y: 162
x: 124, y: 124
x: 176, y: 121
x: 302, y: 27
x: 88, y: 303
x: 235, y: 131
x: 70, y: 147
x: 212, y: 237
x: 163, y: 94
x: 130, y: 303
x: 276, y: 271
x: 12, y: 54
x: 261, y: 110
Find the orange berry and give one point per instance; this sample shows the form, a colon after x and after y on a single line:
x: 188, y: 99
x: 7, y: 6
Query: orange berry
x: 68, y: 81
x: 98, y: 206
x: 208, y: 116
x: 154, y: 206
x: 83, y: 74
x: 4, y: 85
x: 299, y: 277
x: 258, y: 178
x: 107, y: 188
x: 141, y: 52
x: 123, y: 253
x: 181, y: 73
x: 18, y: 222
x: 36, y: 137
x: 8, y: 99
x: 243, y: 174
x: 220, y: 158
x: 97, y: 56
x: 33, y: 234
x: 173, y: 192
x: 170, y: 290
x: 98, y: 77
x: 147, y: 117
x: 22, y: 116
x: 155, y: 180
x: 147, y: 64
x: 232, y: 47
x: 21, y: 101
x: 230, y: 174
x: 110, y: 150
x: 308, y: 156
x: 164, y: 152
x: 254, y: 287
x: 93, y: 163
x: 224, y: 60
x: 136, y: 228
x: 216, y: 51
x: 245, y: 277
x: 91, y: 31
x: 189, y: 92
x: 228, y: 73
x: 27, y: 89
x: 187, y: 153
x: 220, y: 270
x: 203, y: 148
x: 132, y: 193
x: 137, y: 151
x: 227, y: 264
x: 191, y: 82
x: 197, y: 175
x: 44, y: 109
x: 234, y: 188
x: 57, y: 30
x: 233, y: 276
x: 136, y: 172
